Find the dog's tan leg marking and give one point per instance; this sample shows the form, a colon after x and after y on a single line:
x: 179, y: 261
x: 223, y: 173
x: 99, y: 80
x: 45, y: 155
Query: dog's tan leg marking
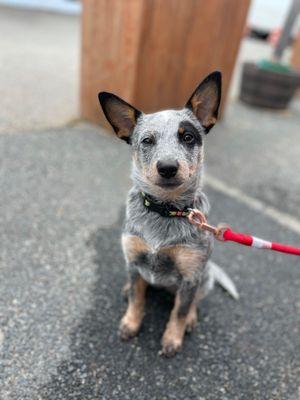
x: 191, y: 318
x: 177, y: 326
x: 133, y: 246
x: 173, y: 336
x: 187, y: 259
x: 132, y: 320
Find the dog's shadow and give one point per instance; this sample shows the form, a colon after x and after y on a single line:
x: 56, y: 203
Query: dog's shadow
x: 102, y: 365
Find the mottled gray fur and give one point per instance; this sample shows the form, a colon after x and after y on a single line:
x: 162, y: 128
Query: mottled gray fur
x: 163, y: 137
x: 158, y: 231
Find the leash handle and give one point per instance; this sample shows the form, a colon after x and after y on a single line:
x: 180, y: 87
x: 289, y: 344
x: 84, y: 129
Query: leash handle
x: 224, y: 233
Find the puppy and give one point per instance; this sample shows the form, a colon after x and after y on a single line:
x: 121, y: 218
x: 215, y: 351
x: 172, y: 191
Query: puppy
x: 161, y: 247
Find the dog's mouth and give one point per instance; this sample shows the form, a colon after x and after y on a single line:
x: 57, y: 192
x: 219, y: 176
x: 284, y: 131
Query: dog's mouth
x: 169, y: 184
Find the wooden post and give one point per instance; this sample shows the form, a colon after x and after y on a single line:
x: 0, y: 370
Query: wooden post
x: 153, y: 53
x: 295, y: 59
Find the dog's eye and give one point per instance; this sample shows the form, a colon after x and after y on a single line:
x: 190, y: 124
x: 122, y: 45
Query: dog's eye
x: 148, y: 140
x: 188, y: 138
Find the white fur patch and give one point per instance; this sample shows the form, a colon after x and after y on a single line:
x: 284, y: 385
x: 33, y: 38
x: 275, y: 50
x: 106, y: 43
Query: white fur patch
x: 147, y: 275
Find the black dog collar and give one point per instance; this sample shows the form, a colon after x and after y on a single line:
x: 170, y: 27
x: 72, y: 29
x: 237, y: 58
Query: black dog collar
x: 163, y: 209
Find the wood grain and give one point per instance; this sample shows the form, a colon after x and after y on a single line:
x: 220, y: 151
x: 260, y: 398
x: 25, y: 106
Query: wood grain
x: 153, y: 53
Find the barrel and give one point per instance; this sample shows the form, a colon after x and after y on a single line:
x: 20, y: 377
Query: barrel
x: 269, y: 89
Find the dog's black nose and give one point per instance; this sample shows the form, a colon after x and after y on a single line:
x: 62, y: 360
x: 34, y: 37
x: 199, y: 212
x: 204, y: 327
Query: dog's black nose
x: 167, y: 168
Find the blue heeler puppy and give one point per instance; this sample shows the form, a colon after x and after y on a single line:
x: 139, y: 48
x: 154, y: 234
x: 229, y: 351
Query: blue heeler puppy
x: 161, y: 247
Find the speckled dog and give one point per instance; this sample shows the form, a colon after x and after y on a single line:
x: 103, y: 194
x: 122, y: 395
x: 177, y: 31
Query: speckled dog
x: 160, y: 245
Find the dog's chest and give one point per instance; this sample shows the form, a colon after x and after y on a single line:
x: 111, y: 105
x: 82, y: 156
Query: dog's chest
x: 165, y: 265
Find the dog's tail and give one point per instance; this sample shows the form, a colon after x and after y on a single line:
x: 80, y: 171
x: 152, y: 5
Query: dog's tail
x: 223, y: 279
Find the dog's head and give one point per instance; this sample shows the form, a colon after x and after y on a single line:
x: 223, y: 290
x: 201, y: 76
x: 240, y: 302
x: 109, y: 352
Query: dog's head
x: 167, y: 145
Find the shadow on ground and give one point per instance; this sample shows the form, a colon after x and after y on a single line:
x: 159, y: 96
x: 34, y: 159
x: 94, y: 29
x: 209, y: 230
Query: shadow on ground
x: 225, y: 356
x: 102, y: 365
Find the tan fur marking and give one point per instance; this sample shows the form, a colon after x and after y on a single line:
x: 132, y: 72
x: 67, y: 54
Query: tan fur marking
x: 174, y: 332
x: 119, y: 113
x: 122, y: 133
x: 133, y: 246
x: 130, y: 114
x: 191, y: 318
x: 211, y: 121
x: 131, y: 321
x: 167, y: 195
x: 152, y: 177
x: 183, y: 170
x: 203, y: 104
x: 193, y: 168
x: 181, y: 130
x: 196, y: 103
x: 187, y: 259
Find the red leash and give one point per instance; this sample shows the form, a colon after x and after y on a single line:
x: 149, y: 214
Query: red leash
x: 224, y: 233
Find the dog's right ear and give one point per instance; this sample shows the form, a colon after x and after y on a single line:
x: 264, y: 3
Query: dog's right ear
x: 205, y: 100
x: 121, y: 115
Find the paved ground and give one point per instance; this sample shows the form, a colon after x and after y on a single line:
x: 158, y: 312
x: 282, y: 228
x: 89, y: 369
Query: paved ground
x: 39, y: 69
x: 258, y: 152
x: 62, y: 271
x: 62, y: 201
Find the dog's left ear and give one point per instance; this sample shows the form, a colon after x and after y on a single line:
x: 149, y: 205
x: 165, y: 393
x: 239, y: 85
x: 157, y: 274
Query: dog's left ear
x: 121, y: 115
x: 205, y: 100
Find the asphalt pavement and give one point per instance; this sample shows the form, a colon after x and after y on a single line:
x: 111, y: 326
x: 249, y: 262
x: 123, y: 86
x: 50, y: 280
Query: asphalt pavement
x: 62, y: 204
x: 40, y: 69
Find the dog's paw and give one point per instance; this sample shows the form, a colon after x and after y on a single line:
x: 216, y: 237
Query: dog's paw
x: 170, y: 349
x: 127, y: 331
x: 170, y: 346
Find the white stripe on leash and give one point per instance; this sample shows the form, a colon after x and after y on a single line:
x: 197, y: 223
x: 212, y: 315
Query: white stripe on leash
x: 260, y: 243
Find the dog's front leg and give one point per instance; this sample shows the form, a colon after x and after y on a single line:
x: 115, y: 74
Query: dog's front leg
x: 184, y: 307
x: 132, y: 320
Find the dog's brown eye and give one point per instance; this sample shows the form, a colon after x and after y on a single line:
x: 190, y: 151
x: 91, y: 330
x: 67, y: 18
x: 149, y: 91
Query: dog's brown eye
x: 148, y: 140
x: 188, y: 138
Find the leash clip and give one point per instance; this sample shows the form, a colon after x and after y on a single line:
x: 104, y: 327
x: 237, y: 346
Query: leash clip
x: 224, y: 233
x: 196, y: 217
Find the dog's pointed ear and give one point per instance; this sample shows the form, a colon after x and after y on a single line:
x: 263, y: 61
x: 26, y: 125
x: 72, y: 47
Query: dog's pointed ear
x: 205, y: 100
x: 121, y: 115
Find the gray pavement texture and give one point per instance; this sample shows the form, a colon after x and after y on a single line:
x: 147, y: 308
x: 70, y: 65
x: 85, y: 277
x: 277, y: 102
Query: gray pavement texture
x: 258, y: 151
x: 62, y: 271
x: 39, y: 69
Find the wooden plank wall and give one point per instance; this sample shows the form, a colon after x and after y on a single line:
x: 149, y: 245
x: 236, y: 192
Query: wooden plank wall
x: 153, y: 53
